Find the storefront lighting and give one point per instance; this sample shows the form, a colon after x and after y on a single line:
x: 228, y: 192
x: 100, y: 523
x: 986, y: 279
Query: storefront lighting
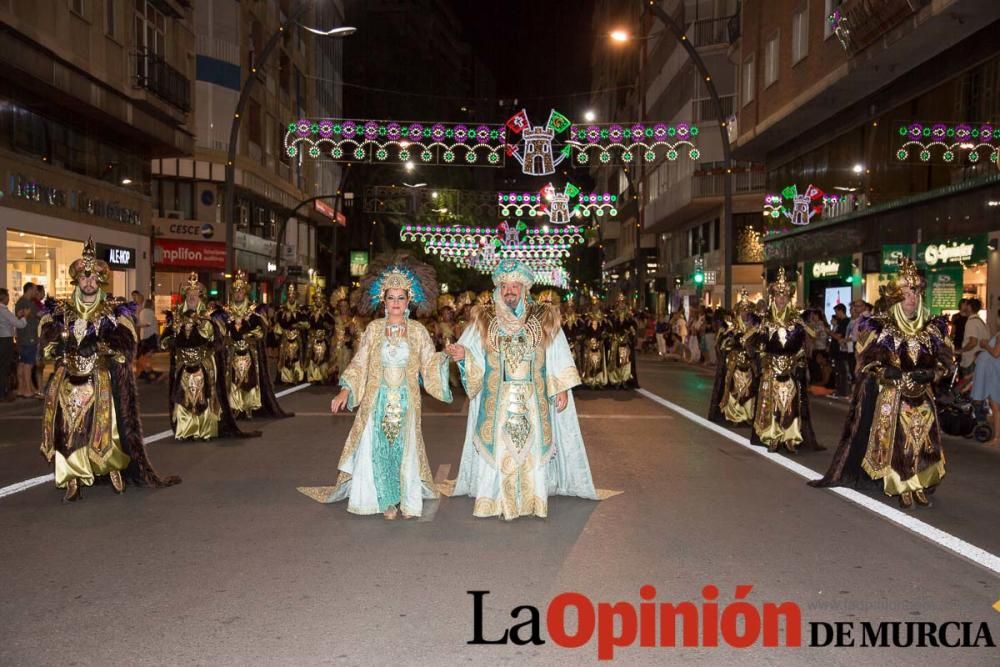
x: 992, y: 202
x: 126, y: 181
x: 858, y: 168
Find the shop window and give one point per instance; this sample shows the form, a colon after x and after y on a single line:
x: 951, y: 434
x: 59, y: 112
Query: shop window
x: 42, y: 260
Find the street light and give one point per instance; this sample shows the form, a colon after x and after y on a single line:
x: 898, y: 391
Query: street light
x: 619, y: 36
x: 589, y: 116
x: 858, y: 168
x: 229, y: 196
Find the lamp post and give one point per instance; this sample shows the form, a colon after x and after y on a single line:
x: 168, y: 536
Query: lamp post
x: 229, y: 196
x: 727, y: 188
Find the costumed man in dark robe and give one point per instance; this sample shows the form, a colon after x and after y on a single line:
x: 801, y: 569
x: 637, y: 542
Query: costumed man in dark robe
x: 90, y: 421
x: 319, y: 366
x: 621, y: 346
x: 344, y: 332
x: 291, y: 324
x: 781, y: 411
x: 573, y: 328
x: 248, y: 380
x: 892, y: 433
x: 198, y: 392
x: 739, y: 388
x: 594, y: 357
x: 446, y: 332
x: 723, y: 331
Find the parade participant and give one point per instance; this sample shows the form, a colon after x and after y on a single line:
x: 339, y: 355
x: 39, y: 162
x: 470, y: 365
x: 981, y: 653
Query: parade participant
x: 621, y: 346
x: 595, y: 334
x: 444, y: 327
x: 739, y: 392
x: 344, y: 328
x: 781, y: 411
x: 291, y: 325
x: 523, y: 439
x: 724, y: 325
x: 90, y: 420
x: 248, y: 380
x: 893, y: 433
x: 384, y: 467
x: 198, y: 391
x: 573, y: 327
x: 322, y: 326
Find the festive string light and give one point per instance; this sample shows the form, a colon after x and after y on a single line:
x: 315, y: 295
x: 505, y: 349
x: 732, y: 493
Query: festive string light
x: 572, y: 202
x: 633, y: 143
x: 976, y: 141
x: 400, y: 142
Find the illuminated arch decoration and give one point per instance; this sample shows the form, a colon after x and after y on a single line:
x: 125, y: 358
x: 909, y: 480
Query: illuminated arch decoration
x: 558, y: 206
x: 613, y: 143
x: 804, y: 206
x: 534, y: 152
x: 948, y: 142
x: 395, y: 142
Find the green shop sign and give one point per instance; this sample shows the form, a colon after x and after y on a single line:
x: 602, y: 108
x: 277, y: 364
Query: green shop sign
x: 953, y: 252
x: 891, y: 254
x: 359, y: 262
x: 944, y: 289
x: 838, y: 267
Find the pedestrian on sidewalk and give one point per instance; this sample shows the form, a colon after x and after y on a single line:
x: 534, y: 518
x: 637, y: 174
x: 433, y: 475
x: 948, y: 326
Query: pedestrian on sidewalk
x: 9, y: 322
x: 149, y: 340
x: 840, y: 350
x: 27, y: 343
x: 662, y: 331
x: 986, y: 384
x: 975, y: 333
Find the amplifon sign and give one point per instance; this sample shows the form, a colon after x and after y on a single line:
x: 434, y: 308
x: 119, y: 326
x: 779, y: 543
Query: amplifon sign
x: 189, y: 254
x: 970, y: 249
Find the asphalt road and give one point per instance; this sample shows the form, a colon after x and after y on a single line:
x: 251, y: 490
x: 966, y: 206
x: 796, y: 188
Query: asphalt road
x: 236, y: 567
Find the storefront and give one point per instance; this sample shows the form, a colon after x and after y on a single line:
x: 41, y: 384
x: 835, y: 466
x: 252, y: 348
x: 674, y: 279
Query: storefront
x: 44, y: 258
x: 828, y: 283
x: 956, y: 268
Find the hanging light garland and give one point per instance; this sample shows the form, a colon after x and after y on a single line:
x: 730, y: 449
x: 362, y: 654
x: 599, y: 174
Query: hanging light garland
x: 634, y: 143
x: 949, y: 141
x: 558, y: 206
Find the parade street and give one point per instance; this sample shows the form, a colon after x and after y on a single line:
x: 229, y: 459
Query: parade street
x: 236, y: 566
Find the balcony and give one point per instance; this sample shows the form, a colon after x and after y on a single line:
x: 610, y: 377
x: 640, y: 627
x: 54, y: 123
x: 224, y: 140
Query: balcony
x: 703, y: 110
x: 154, y: 74
x: 699, y: 193
x: 860, y: 23
x: 709, y: 32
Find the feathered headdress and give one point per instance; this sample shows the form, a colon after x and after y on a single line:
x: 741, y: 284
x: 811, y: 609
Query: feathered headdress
x: 548, y: 296
x: 398, y: 271
x: 338, y: 295
x: 485, y: 298
x: 781, y: 285
x: 88, y: 265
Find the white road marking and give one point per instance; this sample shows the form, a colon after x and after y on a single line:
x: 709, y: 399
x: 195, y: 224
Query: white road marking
x: 941, y: 538
x: 37, y: 481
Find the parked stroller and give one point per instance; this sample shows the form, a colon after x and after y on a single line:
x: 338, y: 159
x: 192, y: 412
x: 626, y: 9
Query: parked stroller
x: 958, y: 414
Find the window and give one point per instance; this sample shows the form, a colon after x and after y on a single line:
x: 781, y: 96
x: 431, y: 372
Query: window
x: 110, y: 16
x: 771, y: 59
x: 827, y: 26
x: 800, y: 34
x: 78, y: 7
x: 253, y: 132
x: 749, y: 80
x: 150, y: 28
x: 284, y: 72
x: 716, y: 236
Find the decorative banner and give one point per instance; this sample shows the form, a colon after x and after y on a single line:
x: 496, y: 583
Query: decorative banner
x: 944, y: 289
x: 804, y: 208
x: 557, y: 204
x: 958, y: 251
x: 532, y: 146
x: 948, y: 141
x: 628, y: 144
x: 399, y: 142
x: 891, y: 256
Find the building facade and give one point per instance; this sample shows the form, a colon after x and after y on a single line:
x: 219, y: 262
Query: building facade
x: 90, y: 92
x: 275, y: 237
x: 876, y: 121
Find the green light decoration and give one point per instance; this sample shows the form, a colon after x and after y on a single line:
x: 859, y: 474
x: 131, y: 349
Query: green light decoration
x: 949, y: 141
x: 558, y: 206
x: 637, y: 142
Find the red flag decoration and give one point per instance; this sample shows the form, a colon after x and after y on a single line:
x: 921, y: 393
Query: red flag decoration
x: 813, y: 192
x: 518, y: 122
x: 511, y: 149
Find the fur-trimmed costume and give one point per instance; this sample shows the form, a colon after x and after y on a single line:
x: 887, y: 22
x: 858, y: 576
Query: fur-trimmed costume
x: 91, y: 426
x: 518, y: 448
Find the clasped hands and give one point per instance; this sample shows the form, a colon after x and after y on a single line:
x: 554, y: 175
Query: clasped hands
x: 457, y: 353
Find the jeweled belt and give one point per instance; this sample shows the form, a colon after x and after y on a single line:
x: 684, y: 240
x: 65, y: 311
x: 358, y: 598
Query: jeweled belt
x: 193, y: 356
x: 80, y: 365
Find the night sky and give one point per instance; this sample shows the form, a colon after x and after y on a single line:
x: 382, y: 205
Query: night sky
x: 535, y: 49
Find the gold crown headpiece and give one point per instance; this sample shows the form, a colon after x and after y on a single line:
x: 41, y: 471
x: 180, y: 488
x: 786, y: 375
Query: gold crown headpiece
x: 193, y: 284
x: 88, y: 264
x: 339, y: 294
x: 240, y: 280
x: 909, y: 275
x: 548, y: 296
x: 446, y: 301
x: 485, y: 298
x: 781, y: 286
